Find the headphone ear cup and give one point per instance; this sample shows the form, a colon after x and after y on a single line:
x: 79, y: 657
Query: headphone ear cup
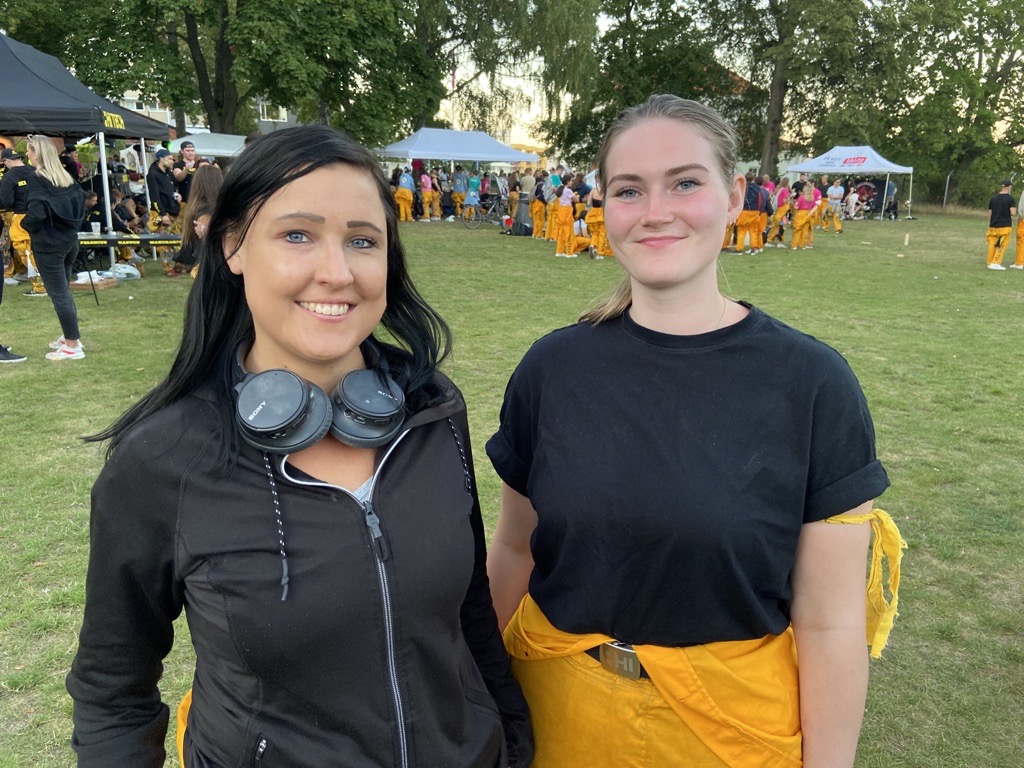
x: 369, y: 409
x: 279, y: 413
x: 338, y: 429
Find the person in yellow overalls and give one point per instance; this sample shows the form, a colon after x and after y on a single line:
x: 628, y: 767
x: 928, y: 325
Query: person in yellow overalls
x: 776, y: 228
x: 538, y: 203
x: 672, y: 535
x: 595, y: 224
x: 1002, y: 208
x: 13, y: 201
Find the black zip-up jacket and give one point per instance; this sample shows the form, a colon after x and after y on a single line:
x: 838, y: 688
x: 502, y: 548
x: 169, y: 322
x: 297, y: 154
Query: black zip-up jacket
x: 161, y: 190
x: 54, y: 215
x: 385, y: 652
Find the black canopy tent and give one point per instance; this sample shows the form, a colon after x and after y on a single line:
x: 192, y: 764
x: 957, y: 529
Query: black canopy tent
x: 39, y: 95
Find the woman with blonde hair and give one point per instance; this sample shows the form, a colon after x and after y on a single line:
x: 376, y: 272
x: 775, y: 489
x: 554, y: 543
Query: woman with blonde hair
x: 670, y: 463
x: 56, y: 208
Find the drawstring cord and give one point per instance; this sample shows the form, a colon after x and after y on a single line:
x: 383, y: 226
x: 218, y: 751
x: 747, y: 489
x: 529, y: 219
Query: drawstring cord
x: 280, y: 527
x: 280, y: 522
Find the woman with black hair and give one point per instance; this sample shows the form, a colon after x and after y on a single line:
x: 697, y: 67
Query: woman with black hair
x: 309, y: 499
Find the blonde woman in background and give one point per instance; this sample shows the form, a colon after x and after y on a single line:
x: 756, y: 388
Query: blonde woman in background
x: 56, y: 208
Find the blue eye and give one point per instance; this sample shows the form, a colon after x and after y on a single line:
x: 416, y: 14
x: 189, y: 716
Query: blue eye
x: 687, y: 184
x: 627, y: 193
x: 364, y: 242
x: 296, y: 237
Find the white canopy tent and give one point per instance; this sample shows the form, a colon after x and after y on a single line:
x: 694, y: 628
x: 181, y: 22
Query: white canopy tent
x: 212, y: 144
x: 442, y: 144
x: 857, y: 160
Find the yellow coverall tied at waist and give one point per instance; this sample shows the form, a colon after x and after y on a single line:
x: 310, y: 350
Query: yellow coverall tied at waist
x: 731, y: 704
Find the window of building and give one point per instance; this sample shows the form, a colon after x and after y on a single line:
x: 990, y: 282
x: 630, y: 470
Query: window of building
x: 272, y: 114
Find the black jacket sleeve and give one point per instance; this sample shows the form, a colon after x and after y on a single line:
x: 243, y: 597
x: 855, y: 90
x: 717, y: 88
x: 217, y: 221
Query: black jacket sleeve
x: 480, y: 628
x: 132, y: 598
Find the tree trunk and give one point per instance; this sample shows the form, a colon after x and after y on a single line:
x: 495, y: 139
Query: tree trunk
x: 773, y: 127
x: 224, y: 86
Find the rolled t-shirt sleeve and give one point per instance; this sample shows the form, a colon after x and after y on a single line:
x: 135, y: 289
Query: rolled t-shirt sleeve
x: 844, y: 471
x: 510, y: 449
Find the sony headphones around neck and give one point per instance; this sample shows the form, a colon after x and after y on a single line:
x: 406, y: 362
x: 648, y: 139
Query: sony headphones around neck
x: 279, y: 412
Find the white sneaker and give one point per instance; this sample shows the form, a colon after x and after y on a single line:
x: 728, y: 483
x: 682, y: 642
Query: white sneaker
x: 1000, y: 267
x: 599, y: 258
x: 571, y: 255
x: 10, y: 281
x: 450, y: 219
x: 66, y: 353
x: 1017, y: 266
x: 60, y: 343
x: 560, y: 256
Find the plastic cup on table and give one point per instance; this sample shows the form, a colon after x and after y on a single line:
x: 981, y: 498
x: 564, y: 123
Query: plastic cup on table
x: 95, y: 227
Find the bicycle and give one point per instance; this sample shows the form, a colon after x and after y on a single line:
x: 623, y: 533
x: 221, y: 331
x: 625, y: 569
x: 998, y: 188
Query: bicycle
x: 494, y: 210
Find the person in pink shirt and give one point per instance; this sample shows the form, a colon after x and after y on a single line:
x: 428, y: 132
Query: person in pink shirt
x: 777, y: 228
x: 804, y: 206
x: 427, y: 194
x: 767, y: 183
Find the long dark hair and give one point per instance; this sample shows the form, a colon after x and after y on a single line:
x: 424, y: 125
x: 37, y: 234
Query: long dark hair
x: 202, y: 197
x: 217, y: 317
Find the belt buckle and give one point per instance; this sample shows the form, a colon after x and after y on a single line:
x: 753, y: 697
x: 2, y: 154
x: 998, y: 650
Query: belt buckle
x: 621, y: 659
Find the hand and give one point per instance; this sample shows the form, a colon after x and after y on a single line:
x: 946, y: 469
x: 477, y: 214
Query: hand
x: 177, y: 197
x: 166, y: 219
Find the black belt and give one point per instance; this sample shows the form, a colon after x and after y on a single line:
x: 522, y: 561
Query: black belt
x: 619, y: 658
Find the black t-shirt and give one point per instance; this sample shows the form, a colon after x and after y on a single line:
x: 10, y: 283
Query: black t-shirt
x: 999, y: 207
x: 672, y: 474
x: 14, y: 188
x: 184, y: 186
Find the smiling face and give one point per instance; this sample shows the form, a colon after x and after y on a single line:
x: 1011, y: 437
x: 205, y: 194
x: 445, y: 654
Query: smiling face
x: 667, y: 205
x: 314, y: 262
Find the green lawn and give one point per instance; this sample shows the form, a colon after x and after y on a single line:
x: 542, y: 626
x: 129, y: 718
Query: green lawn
x: 934, y: 337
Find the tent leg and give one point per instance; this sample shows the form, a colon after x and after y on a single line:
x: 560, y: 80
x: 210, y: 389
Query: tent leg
x: 106, y: 201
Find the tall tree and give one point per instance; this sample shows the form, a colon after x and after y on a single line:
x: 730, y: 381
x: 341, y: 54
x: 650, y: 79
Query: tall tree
x: 650, y: 47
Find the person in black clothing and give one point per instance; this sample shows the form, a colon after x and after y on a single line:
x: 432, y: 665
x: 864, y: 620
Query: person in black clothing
x: 69, y: 159
x: 332, y: 572
x: 1002, y: 208
x: 165, y: 199
x: 185, y: 169
x: 14, y: 203
x: 93, y: 213
x: 56, y: 207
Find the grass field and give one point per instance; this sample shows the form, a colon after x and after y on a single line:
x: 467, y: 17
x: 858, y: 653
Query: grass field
x: 935, y: 339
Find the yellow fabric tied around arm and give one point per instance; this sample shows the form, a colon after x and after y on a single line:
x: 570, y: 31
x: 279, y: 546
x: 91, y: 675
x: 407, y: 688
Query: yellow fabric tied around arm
x: 888, y: 545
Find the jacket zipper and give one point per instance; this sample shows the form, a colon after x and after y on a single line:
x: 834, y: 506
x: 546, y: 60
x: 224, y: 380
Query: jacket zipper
x: 261, y: 749
x: 379, y: 545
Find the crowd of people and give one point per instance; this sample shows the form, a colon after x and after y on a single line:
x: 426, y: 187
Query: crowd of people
x: 182, y: 188
x: 556, y: 205
x: 771, y: 208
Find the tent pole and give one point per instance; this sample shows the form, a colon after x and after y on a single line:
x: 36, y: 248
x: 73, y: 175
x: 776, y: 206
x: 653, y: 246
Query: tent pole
x: 885, y: 198
x: 106, y: 200
x: 145, y: 187
x: 910, y: 197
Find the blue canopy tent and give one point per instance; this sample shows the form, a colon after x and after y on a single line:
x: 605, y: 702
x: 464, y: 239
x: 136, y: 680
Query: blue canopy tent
x: 443, y: 144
